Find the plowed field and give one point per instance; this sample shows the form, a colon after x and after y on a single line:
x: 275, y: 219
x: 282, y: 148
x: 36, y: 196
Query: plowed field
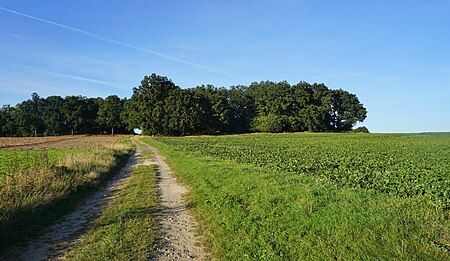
x: 60, y: 142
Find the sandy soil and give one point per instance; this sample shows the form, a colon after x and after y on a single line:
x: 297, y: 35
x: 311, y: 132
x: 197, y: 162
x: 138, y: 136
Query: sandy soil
x: 180, y: 241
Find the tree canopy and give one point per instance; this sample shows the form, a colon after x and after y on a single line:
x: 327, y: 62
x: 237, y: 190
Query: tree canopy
x: 160, y: 107
x: 55, y: 115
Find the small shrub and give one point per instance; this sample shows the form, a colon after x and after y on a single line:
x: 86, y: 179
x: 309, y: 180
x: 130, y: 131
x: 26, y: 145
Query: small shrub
x: 269, y: 123
x: 362, y: 129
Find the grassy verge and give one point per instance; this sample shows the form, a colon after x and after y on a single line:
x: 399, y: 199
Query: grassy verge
x: 127, y: 229
x: 35, y: 197
x: 253, y: 213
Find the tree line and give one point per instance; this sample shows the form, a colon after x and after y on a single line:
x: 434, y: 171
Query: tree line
x: 54, y: 115
x: 159, y: 107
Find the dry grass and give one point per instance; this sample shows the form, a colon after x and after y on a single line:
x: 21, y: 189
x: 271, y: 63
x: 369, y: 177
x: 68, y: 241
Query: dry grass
x: 36, y: 191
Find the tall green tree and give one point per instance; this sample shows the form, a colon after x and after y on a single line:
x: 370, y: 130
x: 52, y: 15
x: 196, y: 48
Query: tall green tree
x: 109, y: 113
x: 214, y: 110
x: 273, y: 103
x: 181, y: 113
x: 147, y: 107
x: 29, y: 116
x: 77, y: 114
x: 8, y: 125
x: 346, y: 110
x: 242, y: 109
x: 53, y: 116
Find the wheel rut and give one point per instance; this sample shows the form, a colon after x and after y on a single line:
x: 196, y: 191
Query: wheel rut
x: 56, y: 239
x: 179, y: 241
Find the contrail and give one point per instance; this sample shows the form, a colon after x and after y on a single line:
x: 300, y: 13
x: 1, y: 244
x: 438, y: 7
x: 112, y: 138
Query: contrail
x: 109, y: 40
x: 70, y: 76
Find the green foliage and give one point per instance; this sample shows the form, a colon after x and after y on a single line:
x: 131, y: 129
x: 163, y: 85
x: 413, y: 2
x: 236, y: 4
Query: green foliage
x: 55, y: 115
x: 147, y: 107
x: 276, y: 212
x: 346, y: 110
x: 159, y: 107
x: 404, y: 165
x: 80, y: 114
x: 8, y: 125
x: 269, y: 123
x: 241, y: 109
x: 28, y: 116
x: 109, y: 113
x: 362, y: 129
x: 214, y: 110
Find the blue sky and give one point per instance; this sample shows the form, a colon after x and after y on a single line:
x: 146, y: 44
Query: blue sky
x: 394, y: 55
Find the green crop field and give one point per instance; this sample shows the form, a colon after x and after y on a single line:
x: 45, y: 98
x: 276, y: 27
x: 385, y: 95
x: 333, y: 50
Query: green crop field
x: 407, y: 165
x: 318, y: 196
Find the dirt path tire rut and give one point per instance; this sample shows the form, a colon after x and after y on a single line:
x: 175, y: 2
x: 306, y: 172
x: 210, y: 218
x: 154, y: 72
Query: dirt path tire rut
x: 179, y: 241
x: 55, y: 239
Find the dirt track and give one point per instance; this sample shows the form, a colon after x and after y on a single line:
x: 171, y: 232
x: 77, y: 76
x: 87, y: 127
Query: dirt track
x: 57, y: 238
x: 180, y: 241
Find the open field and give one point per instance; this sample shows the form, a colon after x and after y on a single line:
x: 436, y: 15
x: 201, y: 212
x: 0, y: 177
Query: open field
x: 41, y: 186
x: 17, y: 154
x: 59, y: 142
x: 400, y: 164
x: 14, y: 161
x: 255, y: 197
x: 318, y: 196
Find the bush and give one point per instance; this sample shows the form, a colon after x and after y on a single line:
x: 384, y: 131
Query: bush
x: 363, y: 129
x: 269, y: 123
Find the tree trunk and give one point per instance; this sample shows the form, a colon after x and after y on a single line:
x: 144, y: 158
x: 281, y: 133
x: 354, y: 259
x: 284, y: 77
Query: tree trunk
x: 72, y: 131
x: 35, y: 132
x: 112, y: 131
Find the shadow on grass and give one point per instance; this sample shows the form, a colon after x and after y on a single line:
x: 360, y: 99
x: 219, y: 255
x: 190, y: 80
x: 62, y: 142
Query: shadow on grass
x: 26, y: 223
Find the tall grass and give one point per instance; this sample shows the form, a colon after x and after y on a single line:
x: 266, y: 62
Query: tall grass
x: 12, y: 162
x: 36, y: 195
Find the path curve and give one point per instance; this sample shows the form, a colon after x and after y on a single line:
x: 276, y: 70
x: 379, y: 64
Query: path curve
x: 179, y: 242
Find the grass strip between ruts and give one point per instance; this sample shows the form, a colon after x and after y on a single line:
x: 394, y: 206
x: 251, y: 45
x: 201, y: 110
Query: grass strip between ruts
x: 127, y: 229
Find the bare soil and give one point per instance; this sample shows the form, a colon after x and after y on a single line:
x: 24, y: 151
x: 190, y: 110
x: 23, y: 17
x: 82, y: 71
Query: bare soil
x: 180, y: 242
x: 59, y: 142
